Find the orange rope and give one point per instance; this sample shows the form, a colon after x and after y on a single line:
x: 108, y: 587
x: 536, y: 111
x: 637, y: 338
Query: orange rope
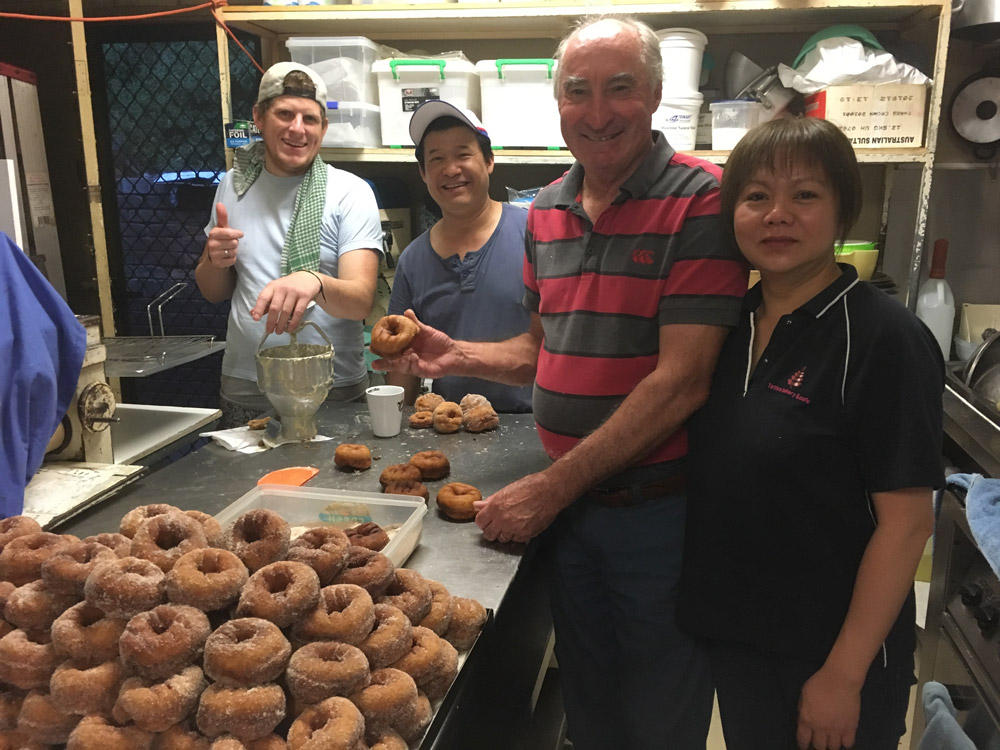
x: 91, y: 19
x: 218, y: 20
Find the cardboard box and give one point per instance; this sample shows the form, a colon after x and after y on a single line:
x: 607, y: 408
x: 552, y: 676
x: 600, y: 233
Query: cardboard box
x: 886, y: 116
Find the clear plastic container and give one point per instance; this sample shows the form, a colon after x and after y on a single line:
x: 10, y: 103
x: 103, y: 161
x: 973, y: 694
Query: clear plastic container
x: 352, y: 125
x: 731, y: 120
x: 310, y: 506
x: 343, y: 62
x: 511, y: 87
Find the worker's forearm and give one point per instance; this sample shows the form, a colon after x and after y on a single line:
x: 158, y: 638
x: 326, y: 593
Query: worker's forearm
x: 349, y: 300
x: 511, y: 362
x: 215, y: 284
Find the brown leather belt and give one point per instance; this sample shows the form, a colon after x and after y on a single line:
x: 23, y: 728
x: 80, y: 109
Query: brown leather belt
x: 626, y: 496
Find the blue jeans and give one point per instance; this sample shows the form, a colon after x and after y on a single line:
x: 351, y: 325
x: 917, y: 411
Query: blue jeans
x: 630, y: 679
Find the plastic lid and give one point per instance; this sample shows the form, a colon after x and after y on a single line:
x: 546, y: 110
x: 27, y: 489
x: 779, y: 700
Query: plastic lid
x: 850, y: 30
x: 330, y: 41
x: 665, y: 33
x: 939, y: 259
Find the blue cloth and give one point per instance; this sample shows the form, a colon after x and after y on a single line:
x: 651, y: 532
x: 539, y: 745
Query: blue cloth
x: 43, y: 346
x: 630, y: 678
x: 942, y: 731
x: 477, y: 298
x: 982, y: 508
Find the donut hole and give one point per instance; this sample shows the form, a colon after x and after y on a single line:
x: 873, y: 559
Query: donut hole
x: 137, y: 566
x: 277, y: 581
x: 89, y: 615
x: 160, y: 622
x: 38, y: 637
x: 211, y: 564
x: 168, y: 537
x: 253, y: 530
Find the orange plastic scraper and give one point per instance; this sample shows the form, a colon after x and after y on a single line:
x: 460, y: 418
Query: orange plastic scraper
x: 293, y: 475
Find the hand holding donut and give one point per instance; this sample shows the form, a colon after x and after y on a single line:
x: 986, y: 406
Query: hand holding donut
x: 522, y: 509
x: 223, y: 241
x: 430, y: 354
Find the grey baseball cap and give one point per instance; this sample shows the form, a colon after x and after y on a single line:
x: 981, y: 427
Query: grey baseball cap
x: 273, y: 84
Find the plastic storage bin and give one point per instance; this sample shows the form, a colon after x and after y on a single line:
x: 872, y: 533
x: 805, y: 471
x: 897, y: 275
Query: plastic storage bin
x: 677, y: 119
x: 406, y: 83
x: 682, y: 51
x: 352, y: 125
x: 343, y: 62
x: 731, y: 120
x: 302, y: 506
x: 509, y: 89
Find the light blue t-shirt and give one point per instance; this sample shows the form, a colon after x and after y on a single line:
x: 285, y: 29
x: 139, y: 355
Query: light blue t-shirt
x: 477, y: 298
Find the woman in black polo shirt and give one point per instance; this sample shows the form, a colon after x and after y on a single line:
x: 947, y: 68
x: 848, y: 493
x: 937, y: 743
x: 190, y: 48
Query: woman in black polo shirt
x: 812, y: 466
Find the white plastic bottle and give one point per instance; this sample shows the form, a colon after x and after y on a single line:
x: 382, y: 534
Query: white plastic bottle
x: 936, y: 303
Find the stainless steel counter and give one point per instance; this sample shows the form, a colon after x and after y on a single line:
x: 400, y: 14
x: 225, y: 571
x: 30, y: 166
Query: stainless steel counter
x: 453, y: 553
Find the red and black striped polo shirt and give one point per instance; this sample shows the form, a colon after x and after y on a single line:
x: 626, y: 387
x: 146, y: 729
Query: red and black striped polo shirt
x: 657, y: 256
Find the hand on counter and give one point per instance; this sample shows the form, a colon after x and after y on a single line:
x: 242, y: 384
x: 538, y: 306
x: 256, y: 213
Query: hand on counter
x: 521, y: 510
x: 431, y: 354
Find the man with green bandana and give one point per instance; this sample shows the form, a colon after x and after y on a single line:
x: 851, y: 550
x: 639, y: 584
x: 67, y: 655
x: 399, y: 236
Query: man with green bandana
x: 288, y: 229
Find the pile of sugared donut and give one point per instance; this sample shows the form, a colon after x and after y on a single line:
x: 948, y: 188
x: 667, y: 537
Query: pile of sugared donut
x: 175, y: 635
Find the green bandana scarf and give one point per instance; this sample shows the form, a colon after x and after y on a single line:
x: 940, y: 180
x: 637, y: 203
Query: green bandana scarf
x: 301, y: 250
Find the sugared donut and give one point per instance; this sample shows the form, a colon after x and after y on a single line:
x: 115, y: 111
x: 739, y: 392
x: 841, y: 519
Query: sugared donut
x: 164, y: 640
x: 14, y: 526
x: 211, y: 527
x: 27, y: 659
x: 411, y: 488
x: 384, y: 738
x: 472, y: 401
x: 352, y: 457
x: 67, y: 570
x: 245, y: 652
x: 6, y: 589
x: 120, y: 544
x: 10, y: 706
x: 368, y: 569
x: 391, y: 638
x: 207, y: 579
x: 412, y: 725
x: 259, y: 537
x: 421, y: 420
x: 428, y: 402
x: 324, y: 549
x: 162, y: 539
x: 181, y: 737
x: 281, y: 592
x: 368, y: 535
x: 89, y: 690
x: 247, y: 713
x: 480, y: 419
x: 444, y: 673
x: 345, y: 613
x: 439, y: 617
x: 87, y: 635
x: 467, y: 619
x: 399, y: 473
x: 132, y: 520
x: 455, y: 500
x: 432, y: 464
x: 323, y: 669
x: 35, y: 605
x: 228, y: 742
x: 158, y: 705
x: 43, y: 720
x: 125, y: 587
x: 423, y: 657
x: 447, y: 417
x: 97, y: 732
x: 409, y: 592
x: 391, y: 696
x: 22, y: 557
x: 392, y: 334
x: 334, y: 723
x: 15, y: 740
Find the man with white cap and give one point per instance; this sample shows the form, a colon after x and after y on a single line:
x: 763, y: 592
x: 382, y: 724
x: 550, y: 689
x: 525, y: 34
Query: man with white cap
x: 288, y: 229
x: 464, y: 275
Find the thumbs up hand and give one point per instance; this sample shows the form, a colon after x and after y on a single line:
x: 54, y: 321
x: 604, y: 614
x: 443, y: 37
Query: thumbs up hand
x: 222, y: 241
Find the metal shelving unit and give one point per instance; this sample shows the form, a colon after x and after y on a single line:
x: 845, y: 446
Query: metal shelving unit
x: 549, y: 18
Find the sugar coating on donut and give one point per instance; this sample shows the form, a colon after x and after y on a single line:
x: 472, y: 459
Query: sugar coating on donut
x: 438, y: 618
x: 281, y: 592
x: 164, y: 640
x: 411, y: 725
x: 467, y: 619
x: 97, y: 732
x: 324, y: 549
x: 246, y: 651
x: 43, y: 720
x: 211, y: 527
x: 390, y: 639
x: 437, y: 684
x: 410, y: 593
x: 323, y: 669
x: 480, y: 419
x: 421, y: 661
x: 132, y: 520
x: 390, y: 697
x: 428, y: 402
x: 334, y: 723
x: 259, y: 537
x: 22, y: 557
x: 207, y: 579
x: 158, y: 705
x: 125, y: 587
x: 345, y: 613
x: 371, y: 570
x: 35, y: 605
x: 163, y: 538
x: 86, y: 690
x: 182, y: 736
x: 385, y: 738
x: 229, y: 742
x: 88, y: 636
x: 247, y: 713
x: 66, y: 571
x: 474, y: 400
x: 27, y: 659
x: 120, y: 544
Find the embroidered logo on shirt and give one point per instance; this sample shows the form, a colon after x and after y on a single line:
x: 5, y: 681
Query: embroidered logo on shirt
x: 797, y: 377
x: 642, y: 256
x: 794, y: 381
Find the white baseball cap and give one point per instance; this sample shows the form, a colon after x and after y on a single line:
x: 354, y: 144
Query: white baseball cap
x: 431, y: 110
x: 273, y: 84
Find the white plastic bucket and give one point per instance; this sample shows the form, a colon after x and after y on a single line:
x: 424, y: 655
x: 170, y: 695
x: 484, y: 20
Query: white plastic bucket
x: 677, y: 119
x: 682, y: 50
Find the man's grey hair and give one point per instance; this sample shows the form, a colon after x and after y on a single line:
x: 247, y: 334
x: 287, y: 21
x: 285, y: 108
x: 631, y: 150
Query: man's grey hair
x: 649, y: 45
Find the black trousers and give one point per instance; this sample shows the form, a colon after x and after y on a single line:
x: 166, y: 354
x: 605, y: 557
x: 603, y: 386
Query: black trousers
x: 758, y: 695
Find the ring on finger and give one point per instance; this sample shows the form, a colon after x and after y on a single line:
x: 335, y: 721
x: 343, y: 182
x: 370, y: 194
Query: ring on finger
x: 225, y: 253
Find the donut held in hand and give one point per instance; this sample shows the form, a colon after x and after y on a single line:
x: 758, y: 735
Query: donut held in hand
x: 392, y: 334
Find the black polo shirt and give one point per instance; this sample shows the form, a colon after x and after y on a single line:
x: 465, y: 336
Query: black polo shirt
x: 845, y: 401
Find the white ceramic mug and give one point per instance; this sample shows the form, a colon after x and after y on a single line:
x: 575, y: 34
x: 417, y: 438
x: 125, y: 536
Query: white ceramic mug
x: 385, y: 406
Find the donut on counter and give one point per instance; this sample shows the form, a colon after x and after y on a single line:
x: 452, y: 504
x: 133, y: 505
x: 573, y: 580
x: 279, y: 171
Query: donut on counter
x: 245, y: 652
x: 432, y: 464
x: 324, y: 669
x: 412, y: 488
x: 352, y: 457
x: 480, y: 419
x: 259, y: 537
x: 228, y: 742
x: 390, y: 697
x: 428, y: 402
x: 246, y: 713
x: 22, y: 557
x: 97, y: 732
x: 392, y: 334
x: 473, y: 401
x: 369, y: 535
x: 399, y: 473
x: 132, y: 520
x: 444, y: 673
x: 85, y: 691
x: 34, y: 606
x: 334, y: 723
x: 67, y: 570
x: 411, y: 725
x: 421, y: 420
x: 391, y: 638
x: 447, y: 417
x: 324, y: 549
x: 158, y: 705
x: 87, y: 635
x: 208, y: 579
x: 455, y: 500
x: 424, y: 656
x: 345, y: 613
x: 211, y: 527
x: 368, y: 569
x: 281, y: 592
x: 125, y: 587
x: 14, y: 526
x: 467, y: 619
x: 438, y: 618
x: 164, y: 640
x: 27, y: 659
x: 410, y: 593
x: 163, y: 538
x: 120, y: 544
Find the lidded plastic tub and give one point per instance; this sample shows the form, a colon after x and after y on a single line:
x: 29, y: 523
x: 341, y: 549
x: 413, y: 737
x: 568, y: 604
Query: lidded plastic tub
x: 343, y: 62
x: 731, y: 120
x: 682, y: 50
x: 511, y: 87
x: 352, y: 125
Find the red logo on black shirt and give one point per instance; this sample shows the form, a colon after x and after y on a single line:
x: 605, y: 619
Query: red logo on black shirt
x: 796, y: 378
x: 642, y: 256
